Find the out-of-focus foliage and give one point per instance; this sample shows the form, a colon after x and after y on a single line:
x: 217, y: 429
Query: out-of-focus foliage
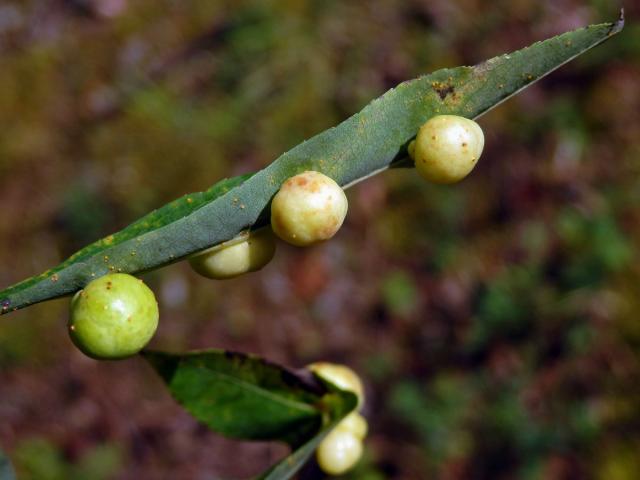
x: 39, y: 459
x: 495, y: 322
x: 6, y: 469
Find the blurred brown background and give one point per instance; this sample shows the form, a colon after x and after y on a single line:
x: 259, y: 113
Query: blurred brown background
x: 495, y: 322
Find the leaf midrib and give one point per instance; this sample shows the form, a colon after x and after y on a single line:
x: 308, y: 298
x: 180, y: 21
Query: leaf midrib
x: 262, y: 392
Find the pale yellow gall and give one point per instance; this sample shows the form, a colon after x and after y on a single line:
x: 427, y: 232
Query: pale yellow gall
x: 447, y: 148
x: 309, y: 208
x: 248, y: 255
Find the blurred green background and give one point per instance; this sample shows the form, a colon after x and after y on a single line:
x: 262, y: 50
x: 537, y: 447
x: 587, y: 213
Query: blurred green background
x: 495, y: 322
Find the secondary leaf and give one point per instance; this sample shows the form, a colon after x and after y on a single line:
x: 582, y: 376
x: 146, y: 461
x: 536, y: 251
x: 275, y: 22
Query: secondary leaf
x: 366, y: 143
x: 243, y: 396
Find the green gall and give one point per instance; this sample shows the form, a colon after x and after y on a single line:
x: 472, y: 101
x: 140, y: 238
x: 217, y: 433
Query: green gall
x: 114, y: 317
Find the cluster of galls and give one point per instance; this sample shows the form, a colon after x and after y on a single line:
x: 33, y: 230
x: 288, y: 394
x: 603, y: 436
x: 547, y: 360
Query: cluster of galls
x: 341, y: 449
x: 116, y: 315
x: 310, y: 207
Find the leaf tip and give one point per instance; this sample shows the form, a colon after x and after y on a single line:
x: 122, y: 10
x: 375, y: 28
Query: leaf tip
x: 165, y: 365
x: 618, y: 25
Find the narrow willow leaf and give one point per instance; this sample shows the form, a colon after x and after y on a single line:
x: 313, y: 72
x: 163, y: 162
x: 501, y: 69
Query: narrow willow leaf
x: 364, y: 144
x: 243, y: 396
x: 337, y: 405
x: 6, y: 470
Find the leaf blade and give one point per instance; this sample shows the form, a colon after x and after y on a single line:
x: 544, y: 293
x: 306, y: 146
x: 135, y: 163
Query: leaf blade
x: 364, y: 144
x: 242, y: 396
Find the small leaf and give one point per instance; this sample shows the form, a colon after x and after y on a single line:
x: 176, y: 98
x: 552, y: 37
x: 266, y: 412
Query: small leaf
x: 243, y: 396
x: 363, y: 145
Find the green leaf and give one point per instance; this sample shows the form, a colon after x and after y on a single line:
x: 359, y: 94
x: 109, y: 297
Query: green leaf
x: 243, y: 396
x: 6, y: 470
x: 364, y: 144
